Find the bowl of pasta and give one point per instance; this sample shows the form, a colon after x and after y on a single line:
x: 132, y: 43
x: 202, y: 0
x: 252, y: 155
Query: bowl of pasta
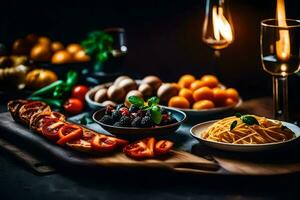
x: 245, y: 133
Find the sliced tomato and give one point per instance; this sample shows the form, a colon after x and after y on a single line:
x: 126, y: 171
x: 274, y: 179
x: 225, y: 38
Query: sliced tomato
x: 69, y: 132
x: 51, y: 127
x: 103, y: 143
x: 120, y: 142
x: 163, y: 147
x: 140, y: 149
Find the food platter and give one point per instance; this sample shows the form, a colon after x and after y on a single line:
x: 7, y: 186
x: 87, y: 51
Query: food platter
x: 142, y: 132
x: 197, y: 130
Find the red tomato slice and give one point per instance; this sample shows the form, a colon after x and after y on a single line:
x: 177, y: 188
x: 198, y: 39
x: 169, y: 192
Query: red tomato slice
x: 103, y: 143
x: 51, y: 127
x: 140, y: 149
x: 163, y: 147
x: 69, y: 132
x: 120, y: 142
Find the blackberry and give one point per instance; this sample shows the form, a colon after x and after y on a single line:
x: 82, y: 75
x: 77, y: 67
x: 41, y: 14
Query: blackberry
x: 141, y: 113
x: 133, y: 108
x: 106, y: 119
x: 136, y: 122
x: 116, y: 115
x: 146, y: 122
x: 125, y: 121
x: 148, y: 113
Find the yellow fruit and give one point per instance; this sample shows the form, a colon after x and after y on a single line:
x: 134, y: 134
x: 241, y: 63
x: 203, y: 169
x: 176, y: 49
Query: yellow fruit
x: 41, y: 52
x: 210, y: 81
x: 188, y: 94
x: 203, y: 93
x: 203, y: 104
x: 186, y: 80
x: 179, y: 102
x: 61, y: 57
x: 73, y: 48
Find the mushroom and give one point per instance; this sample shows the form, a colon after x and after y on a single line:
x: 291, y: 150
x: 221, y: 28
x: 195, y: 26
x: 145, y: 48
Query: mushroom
x: 100, y: 95
x: 120, y: 78
x: 127, y: 85
x: 132, y: 93
x: 166, y: 91
x: 153, y: 81
x: 116, y: 93
x: 146, y: 90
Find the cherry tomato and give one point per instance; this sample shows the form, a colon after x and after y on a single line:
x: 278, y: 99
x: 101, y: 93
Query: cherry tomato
x: 163, y: 147
x: 140, y: 149
x: 69, y: 132
x: 73, y: 106
x: 79, y: 92
x: 51, y: 127
x: 103, y: 143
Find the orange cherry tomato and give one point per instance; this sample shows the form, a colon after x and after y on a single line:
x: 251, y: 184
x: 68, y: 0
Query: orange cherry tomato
x: 232, y: 93
x: 186, y: 80
x: 203, y: 104
x: 188, y: 94
x: 163, y: 147
x: 140, y: 149
x: 229, y: 102
x: 204, y: 93
x: 196, y: 85
x: 219, y: 96
x: 103, y: 143
x: 69, y: 132
x: 61, y: 57
x: 210, y: 81
x: 73, y: 48
x: 179, y: 102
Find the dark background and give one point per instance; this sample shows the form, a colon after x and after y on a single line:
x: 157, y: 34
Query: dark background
x: 164, y: 37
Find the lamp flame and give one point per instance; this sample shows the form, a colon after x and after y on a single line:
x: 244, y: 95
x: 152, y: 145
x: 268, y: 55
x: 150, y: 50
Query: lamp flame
x: 221, y: 25
x: 283, y: 49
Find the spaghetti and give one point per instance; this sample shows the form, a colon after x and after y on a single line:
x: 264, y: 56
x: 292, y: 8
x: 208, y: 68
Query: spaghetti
x: 235, y: 130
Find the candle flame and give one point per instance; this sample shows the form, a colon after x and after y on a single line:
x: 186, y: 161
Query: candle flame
x: 283, y: 44
x: 221, y: 25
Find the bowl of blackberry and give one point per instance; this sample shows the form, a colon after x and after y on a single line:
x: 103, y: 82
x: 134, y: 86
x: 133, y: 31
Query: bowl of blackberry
x: 140, y: 118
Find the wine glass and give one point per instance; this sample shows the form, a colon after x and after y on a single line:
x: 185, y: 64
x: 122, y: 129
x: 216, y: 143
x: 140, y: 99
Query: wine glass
x: 217, y: 29
x: 280, y: 43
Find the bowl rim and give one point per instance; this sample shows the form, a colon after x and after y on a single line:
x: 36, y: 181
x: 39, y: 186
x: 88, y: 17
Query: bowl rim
x: 178, y: 123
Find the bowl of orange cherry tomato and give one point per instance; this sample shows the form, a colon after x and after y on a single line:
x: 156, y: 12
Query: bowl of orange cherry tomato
x: 204, y: 96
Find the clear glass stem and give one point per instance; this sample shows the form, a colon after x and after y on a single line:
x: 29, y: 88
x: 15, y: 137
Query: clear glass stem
x: 280, y: 98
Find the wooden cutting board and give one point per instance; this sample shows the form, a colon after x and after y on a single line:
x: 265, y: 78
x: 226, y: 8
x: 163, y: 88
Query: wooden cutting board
x: 178, y: 160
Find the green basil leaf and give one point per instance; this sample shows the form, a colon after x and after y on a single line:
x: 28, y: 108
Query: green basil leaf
x: 153, y: 101
x: 137, y: 101
x: 247, y: 119
x: 155, y: 108
x: 233, y: 124
x: 156, y: 116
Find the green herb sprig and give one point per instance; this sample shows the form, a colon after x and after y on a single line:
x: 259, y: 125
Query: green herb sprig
x: 151, y: 104
x: 98, y: 44
x: 247, y: 119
